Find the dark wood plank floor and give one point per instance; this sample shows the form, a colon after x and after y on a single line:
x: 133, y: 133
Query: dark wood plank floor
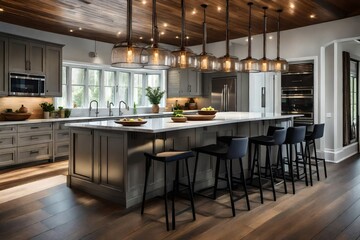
x: 328, y: 210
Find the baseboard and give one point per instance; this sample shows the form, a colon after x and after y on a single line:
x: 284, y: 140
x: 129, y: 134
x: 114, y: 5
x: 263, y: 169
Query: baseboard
x: 339, y: 155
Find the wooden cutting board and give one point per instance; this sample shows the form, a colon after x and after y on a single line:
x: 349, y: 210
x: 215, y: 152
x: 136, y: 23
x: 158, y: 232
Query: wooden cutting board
x: 199, y: 117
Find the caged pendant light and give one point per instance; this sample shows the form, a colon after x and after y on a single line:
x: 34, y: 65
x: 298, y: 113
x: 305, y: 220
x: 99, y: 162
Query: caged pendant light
x: 228, y: 63
x: 184, y: 58
x: 265, y: 64
x: 126, y: 54
x: 280, y: 64
x: 206, y: 62
x: 249, y: 64
x: 158, y: 58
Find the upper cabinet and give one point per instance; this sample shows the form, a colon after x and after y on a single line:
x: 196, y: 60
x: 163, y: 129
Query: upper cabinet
x: 53, y: 71
x: 3, y: 66
x: 183, y: 83
x: 26, y: 56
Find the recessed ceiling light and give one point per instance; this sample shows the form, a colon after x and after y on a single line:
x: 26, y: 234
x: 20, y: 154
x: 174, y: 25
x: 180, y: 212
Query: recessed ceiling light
x: 312, y: 16
x: 187, y: 37
x: 80, y: 28
x: 194, y: 11
x: 1, y: 9
x: 165, y: 24
x: 177, y: 37
x: 151, y: 39
x: 270, y: 37
x: 246, y: 39
x: 219, y: 8
x: 143, y: 2
x: 140, y: 37
x: 71, y: 30
x: 292, y: 5
x: 162, y: 33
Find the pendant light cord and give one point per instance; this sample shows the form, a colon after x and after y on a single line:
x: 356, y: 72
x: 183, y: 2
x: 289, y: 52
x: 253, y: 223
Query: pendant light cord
x: 204, y: 6
x: 278, y: 34
x: 129, y: 17
x: 183, y: 25
x: 227, y: 28
x: 155, y: 31
x: 264, y: 34
x: 249, y: 34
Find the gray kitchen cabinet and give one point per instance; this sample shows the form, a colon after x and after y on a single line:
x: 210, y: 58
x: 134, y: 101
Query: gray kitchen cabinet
x: 183, y: 83
x: 3, y: 65
x: 53, y: 83
x: 26, y: 56
x: 61, y: 139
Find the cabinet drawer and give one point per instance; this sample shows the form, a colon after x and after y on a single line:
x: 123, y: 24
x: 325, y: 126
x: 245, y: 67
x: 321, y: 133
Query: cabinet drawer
x: 35, y: 127
x: 8, y: 129
x: 34, y: 152
x: 7, y: 140
x: 7, y: 157
x: 60, y: 126
x: 62, y: 149
x: 34, y: 138
x: 62, y: 135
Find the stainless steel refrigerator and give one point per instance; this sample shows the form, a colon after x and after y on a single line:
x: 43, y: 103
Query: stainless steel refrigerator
x: 223, y: 93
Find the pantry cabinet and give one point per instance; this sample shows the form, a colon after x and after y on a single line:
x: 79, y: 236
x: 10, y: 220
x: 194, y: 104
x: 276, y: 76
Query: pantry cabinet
x: 3, y: 66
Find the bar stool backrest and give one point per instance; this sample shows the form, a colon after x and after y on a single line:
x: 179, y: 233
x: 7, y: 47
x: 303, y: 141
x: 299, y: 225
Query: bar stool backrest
x: 279, y: 136
x: 271, y: 130
x: 295, y: 134
x: 237, y: 148
x: 318, y: 131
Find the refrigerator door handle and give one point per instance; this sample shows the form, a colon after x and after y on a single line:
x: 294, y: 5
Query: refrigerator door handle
x: 226, y: 98
x: 222, y: 99
x: 263, y: 97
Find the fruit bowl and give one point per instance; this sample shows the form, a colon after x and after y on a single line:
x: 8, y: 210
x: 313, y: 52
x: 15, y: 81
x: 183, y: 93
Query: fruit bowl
x: 207, y: 112
x: 179, y: 119
x: 14, y: 116
x: 126, y: 122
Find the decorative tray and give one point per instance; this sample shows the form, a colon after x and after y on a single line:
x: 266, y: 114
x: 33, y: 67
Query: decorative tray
x: 13, y: 116
x: 179, y: 119
x: 130, y: 123
x: 212, y: 112
x: 199, y: 117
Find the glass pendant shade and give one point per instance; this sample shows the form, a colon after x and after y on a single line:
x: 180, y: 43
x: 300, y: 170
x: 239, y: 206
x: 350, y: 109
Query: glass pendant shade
x: 280, y: 64
x: 126, y: 54
x: 158, y: 58
x: 228, y: 63
x: 249, y: 64
x: 265, y: 64
x: 183, y: 58
x: 206, y: 62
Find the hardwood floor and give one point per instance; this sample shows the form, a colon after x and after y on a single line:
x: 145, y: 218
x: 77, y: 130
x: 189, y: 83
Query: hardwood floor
x: 36, y: 203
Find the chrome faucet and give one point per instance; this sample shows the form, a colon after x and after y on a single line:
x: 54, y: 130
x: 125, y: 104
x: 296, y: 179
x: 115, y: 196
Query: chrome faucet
x: 109, y: 106
x: 126, y: 106
x: 96, y: 110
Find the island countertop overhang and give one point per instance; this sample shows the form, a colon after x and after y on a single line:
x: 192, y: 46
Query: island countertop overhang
x: 159, y: 125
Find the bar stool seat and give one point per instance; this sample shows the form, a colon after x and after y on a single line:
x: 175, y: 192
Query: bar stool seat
x: 168, y: 157
x: 236, y: 149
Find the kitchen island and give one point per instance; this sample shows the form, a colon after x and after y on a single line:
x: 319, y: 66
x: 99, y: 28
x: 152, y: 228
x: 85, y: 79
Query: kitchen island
x: 107, y: 160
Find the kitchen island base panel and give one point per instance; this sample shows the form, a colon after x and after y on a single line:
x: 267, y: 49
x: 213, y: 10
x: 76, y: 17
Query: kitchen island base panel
x: 117, y: 161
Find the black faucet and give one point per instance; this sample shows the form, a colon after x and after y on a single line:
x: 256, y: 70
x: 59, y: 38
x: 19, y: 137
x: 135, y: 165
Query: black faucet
x: 96, y: 110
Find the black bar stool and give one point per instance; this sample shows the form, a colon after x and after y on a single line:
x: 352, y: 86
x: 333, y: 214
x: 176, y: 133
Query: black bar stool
x: 168, y: 157
x: 276, y: 138
x: 235, y: 150
x: 294, y: 137
x: 310, y: 137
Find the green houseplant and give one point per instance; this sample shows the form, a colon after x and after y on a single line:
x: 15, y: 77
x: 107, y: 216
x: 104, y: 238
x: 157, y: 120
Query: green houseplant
x: 154, y: 95
x: 47, y: 108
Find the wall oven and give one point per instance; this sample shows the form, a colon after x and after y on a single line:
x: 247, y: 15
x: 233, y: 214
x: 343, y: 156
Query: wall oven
x: 26, y: 85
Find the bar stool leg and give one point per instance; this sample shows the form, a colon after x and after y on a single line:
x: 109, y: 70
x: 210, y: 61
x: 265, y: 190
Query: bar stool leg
x: 190, y: 190
x: 253, y: 165
x: 304, y: 161
x: 229, y: 186
x: 307, y: 150
x: 291, y: 169
x: 250, y: 167
x: 217, y: 168
x: 195, y: 169
x: 297, y: 162
x: 268, y: 152
x: 165, y: 198
x: 242, y: 176
x: 148, y: 165
x: 316, y: 162
x: 259, y: 173
x: 175, y: 190
x: 282, y: 167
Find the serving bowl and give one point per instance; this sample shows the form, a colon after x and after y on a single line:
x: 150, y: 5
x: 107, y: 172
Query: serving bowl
x: 14, y: 116
x: 207, y: 112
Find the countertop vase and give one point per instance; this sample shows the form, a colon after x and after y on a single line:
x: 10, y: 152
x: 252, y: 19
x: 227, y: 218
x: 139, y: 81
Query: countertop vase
x: 46, y: 115
x: 155, y: 108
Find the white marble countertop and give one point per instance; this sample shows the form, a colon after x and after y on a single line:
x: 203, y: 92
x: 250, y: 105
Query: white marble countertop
x: 86, y: 119
x: 158, y: 125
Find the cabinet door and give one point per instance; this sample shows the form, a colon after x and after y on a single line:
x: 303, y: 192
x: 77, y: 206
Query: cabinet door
x: 53, y: 71
x: 184, y: 83
x: 173, y: 83
x: 194, y: 81
x: 18, y: 55
x: 3, y: 66
x: 36, y: 59
x: 8, y: 157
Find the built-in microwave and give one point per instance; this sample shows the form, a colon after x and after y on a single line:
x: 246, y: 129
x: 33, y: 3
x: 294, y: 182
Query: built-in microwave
x: 26, y: 85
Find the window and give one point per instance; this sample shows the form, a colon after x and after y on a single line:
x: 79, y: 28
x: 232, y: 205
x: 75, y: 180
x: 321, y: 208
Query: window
x: 82, y: 84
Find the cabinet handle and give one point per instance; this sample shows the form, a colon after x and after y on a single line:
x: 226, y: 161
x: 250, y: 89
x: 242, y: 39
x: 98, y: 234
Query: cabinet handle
x: 64, y: 134
x: 1, y: 142
x: 34, y: 152
x: 34, y: 127
x: 34, y: 138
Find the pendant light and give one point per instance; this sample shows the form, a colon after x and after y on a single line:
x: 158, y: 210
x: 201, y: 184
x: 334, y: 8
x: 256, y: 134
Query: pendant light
x: 126, y: 54
x: 158, y: 58
x: 249, y: 64
x: 228, y: 63
x: 265, y: 64
x: 280, y: 64
x: 184, y: 58
x: 206, y: 61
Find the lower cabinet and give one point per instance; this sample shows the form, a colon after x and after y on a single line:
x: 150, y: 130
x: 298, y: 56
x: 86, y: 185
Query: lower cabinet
x: 8, y: 156
x: 34, y: 152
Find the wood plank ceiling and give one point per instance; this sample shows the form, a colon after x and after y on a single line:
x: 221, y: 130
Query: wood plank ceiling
x: 103, y: 20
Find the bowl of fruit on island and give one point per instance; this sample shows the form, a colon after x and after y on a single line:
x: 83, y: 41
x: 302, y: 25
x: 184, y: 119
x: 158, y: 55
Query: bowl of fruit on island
x: 178, y: 116
x: 207, y: 111
x: 131, y: 121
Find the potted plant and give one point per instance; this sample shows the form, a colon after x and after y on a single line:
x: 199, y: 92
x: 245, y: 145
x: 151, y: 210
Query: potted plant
x: 154, y: 95
x: 67, y: 112
x: 61, y: 112
x: 47, y: 108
